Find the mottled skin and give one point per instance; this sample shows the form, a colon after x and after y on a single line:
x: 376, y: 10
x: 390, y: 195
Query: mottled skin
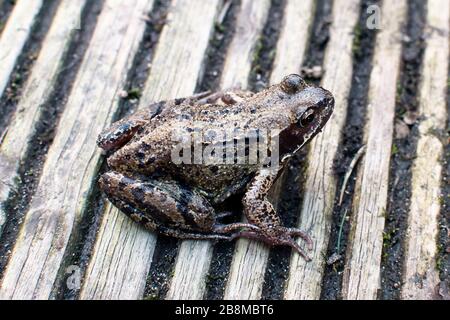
x: 180, y: 199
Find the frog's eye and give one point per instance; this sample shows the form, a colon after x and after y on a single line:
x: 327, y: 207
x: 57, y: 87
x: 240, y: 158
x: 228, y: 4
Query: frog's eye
x: 307, y: 118
x: 293, y: 83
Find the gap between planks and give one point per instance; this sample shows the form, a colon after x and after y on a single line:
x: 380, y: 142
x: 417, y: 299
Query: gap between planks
x: 15, y: 34
x: 421, y: 276
x: 36, y: 92
x: 73, y: 158
x: 194, y: 257
x: 124, y: 250
x: 250, y: 258
x: 362, y: 270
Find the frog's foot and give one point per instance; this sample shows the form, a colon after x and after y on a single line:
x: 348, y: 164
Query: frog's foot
x: 282, y: 239
x: 261, y: 212
x: 299, y: 233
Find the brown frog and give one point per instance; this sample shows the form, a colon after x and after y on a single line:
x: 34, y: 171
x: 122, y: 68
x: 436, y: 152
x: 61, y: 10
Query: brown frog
x: 181, y: 199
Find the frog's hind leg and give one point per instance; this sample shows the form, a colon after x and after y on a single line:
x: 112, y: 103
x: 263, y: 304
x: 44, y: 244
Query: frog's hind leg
x: 154, y: 226
x: 167, y: 207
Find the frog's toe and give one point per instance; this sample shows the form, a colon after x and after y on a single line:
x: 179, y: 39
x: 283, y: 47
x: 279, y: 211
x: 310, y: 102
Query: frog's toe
x: 302, y: 234
x: 227, y: 228
x: 280, y: 240
x: 292, y: 243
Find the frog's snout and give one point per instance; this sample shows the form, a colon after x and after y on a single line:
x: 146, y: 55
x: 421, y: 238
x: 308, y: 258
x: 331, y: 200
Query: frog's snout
x: 327, y: 102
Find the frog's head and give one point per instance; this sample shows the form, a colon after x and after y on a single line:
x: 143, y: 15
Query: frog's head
x: 309, y: 107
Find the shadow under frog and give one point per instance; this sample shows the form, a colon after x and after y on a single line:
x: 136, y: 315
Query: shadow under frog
x: 179, y: 200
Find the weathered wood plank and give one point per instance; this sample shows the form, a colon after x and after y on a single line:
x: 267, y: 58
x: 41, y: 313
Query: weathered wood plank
x: 362, y: 270
x: 194, y: 257
x: 298, y: 19
x: 420, y: 273
x: 250, y: 258
x: 123, y: 253
x: 73, y: 158
x: 36, y: 92
x: 14, y: 36
x: 305, y: 278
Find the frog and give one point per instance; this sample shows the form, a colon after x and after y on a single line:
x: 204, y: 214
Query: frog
x: 184, y: 199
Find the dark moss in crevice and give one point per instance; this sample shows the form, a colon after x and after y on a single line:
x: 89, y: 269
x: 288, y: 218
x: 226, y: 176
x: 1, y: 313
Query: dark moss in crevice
x: 217, y: 48
x: 403, y: 152
x: 290, y: 198
x: 265, y: 48
x: 80, y: 246
x: 219, y: 270
x: 352, y: 140
x: 6, y: 8
x: 162, y: 268
x: 25, y: 62
x: 31, y: 165
x: 82, y: 240
x: 222, y: 257
x: 318, y: 39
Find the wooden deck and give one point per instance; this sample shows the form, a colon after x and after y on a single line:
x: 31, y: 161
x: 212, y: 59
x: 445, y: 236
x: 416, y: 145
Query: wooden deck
x: 53, y: 220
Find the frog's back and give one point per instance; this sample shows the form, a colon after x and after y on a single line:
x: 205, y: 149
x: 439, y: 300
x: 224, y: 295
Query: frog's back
x: 218, y: 181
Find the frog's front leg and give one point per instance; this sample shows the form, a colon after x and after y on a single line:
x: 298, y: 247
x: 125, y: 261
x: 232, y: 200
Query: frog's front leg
x: 260, y: 212
x: 167, y: 207
x: 123, y: 130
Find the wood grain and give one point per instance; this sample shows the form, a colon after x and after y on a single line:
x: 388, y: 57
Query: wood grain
x: 123, y: 252
x: 73, y: 158
x: 35, y: 93
x: 291, y: 47
x: 362, y: 270
x: 194, y: 257
x: 14, y: 36
x: 250, y: 258
x: 305, y: 278
x: 421, y: 276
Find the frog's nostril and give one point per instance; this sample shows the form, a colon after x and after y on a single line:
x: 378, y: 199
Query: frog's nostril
x: 327, y: 101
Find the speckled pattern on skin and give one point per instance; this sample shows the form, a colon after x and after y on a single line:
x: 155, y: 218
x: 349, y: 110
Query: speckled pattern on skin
x: 180, y: 199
